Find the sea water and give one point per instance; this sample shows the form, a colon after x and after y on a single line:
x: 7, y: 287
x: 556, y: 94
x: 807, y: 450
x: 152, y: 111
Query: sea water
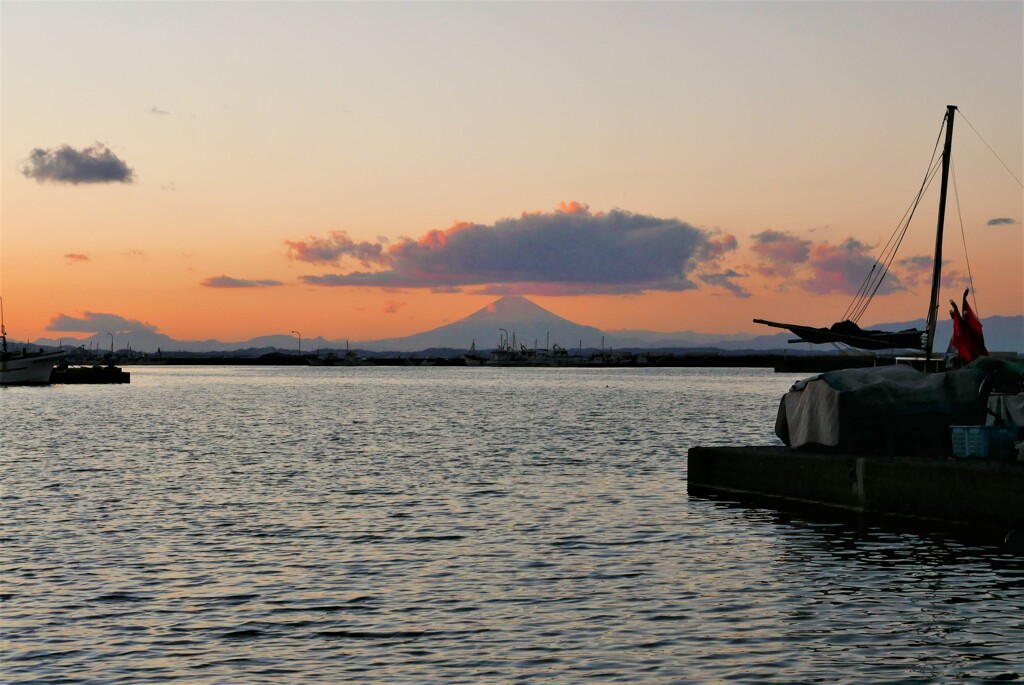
x: 454, y: 525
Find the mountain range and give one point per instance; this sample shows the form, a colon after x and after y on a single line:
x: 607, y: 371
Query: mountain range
x: 531, y: 325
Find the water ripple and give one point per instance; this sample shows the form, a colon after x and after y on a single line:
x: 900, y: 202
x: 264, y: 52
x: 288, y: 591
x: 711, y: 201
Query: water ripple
x: 265, y: 525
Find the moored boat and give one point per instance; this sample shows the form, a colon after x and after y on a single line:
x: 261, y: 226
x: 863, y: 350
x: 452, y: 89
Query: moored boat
x: 25, y: 368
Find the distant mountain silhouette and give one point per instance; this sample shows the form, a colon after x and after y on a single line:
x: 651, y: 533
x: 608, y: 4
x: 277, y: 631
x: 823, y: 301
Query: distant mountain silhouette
x: 532, y: 325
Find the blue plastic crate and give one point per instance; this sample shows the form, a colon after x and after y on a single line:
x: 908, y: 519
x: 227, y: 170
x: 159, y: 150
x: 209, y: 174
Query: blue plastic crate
x: 995, y: 442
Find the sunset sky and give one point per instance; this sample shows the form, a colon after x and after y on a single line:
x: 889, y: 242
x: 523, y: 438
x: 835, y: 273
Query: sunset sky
x: 369, y: 170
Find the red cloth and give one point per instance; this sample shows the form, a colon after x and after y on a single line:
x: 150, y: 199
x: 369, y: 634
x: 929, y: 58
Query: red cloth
x: 968, y: 339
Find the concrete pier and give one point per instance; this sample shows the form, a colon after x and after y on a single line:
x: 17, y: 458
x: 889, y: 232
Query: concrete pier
x: 966, y: 491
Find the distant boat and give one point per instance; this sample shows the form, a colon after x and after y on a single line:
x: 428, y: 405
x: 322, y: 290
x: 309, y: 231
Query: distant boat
x: 25, y: 368
x: 350, y: 358
x: 509, y: 354
x: 474, y: 358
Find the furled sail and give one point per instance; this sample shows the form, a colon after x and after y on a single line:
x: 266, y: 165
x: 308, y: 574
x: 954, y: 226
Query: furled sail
x: 849, y: 333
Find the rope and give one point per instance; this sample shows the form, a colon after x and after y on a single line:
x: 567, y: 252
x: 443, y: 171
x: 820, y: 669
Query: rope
x: 873, y: 281
x: 963, y: 236
x: 990, y: 149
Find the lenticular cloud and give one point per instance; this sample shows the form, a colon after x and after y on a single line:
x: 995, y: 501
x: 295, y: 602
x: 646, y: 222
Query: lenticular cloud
x: 569, y: 251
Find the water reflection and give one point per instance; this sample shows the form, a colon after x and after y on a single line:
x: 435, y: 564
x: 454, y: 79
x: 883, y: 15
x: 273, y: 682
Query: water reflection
x: 889, y: 591
x: 450, y: 525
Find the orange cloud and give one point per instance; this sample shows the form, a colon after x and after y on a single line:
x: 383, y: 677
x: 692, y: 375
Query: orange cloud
x: 75, y: 257
x: 573, y: 207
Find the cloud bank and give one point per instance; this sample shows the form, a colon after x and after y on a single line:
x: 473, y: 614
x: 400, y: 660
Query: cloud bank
x: 570, y: 251
x: 65, y: 164
x: 94, y: 322
x: 229, y: 282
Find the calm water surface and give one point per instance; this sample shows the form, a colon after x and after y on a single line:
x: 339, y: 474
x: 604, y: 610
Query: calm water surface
x: 429, y: 525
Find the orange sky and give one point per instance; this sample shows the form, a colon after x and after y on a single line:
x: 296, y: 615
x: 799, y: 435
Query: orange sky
x: 686, y: 166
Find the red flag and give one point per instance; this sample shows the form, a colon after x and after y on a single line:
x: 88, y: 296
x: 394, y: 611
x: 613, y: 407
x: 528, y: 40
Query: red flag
x: 968, y: 339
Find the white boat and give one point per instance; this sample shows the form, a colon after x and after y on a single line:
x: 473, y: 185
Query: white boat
x: 24, y: 368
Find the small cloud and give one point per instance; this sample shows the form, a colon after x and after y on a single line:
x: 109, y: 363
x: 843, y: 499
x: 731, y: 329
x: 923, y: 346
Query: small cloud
x: 229, y: 282
x: 169, y: 186
x: 331, y: 249
x: 76, y: 258
x: 65, y: 164
x: 392, y: 307
x: 94, y: 322
x: 781, y: 253
x: 1001, y: 221
x: 135, y: 253
x: 160, y: 112
x: 916, y: 269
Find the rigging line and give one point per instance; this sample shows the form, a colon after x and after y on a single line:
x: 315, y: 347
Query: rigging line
x: 878, y: 283
x: 990, y: 149
x: 866, y: 300
x: 963, y: 236
x: 857, y: 301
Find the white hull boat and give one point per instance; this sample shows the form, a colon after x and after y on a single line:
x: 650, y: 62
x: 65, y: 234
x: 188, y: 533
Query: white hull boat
x: 24, y: 368
x: 28, y: 369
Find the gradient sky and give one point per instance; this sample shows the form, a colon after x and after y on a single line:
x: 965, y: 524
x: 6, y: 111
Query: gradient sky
x: 367, y: 170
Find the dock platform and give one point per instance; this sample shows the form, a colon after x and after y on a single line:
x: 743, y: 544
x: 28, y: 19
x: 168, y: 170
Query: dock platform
x: 90, y: 375
x: 960, y: 491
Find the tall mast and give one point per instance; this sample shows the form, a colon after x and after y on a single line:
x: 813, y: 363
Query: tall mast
x: 933, y: 302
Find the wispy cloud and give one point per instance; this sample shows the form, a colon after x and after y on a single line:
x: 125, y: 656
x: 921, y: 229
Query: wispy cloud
x: 842, y: 269
x: 229, y: 282
x: 95, y: 322
x: 725, y: 280
x: 75, y: 257
x: 159, y: 112
x: 1001, y: 221
x: 392, y: 307
x: 65, y: 164
x: 568, y: 251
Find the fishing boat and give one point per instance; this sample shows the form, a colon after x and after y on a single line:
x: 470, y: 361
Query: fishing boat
x: 24, y: 368
x: 473, y: 357
x: 350, y: 358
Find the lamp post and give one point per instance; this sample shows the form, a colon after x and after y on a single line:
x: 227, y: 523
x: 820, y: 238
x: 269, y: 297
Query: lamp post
x: 111, y: 344
x: 300, y: 341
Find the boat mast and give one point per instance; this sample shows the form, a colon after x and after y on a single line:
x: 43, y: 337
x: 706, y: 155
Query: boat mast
x: 933, y: 302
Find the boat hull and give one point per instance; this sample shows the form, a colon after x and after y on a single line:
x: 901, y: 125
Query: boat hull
x: 29, y: 369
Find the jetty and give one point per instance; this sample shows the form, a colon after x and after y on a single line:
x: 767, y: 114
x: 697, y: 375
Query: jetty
x: 988, y: 492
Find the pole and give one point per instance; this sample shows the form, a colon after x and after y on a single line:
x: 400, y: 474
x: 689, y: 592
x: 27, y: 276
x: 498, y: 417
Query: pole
x: 300, y: 341
x: 933, y: 302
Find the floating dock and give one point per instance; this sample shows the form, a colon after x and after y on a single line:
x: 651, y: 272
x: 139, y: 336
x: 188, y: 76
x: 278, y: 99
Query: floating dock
x: 90, y: 375
x: 984, y: 492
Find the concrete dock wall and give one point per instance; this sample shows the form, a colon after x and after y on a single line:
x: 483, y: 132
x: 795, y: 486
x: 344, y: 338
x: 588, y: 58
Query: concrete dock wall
x: 970, y: 491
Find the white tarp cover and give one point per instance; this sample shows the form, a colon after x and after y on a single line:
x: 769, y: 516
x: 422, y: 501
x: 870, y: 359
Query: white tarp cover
x: 818, y: 410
